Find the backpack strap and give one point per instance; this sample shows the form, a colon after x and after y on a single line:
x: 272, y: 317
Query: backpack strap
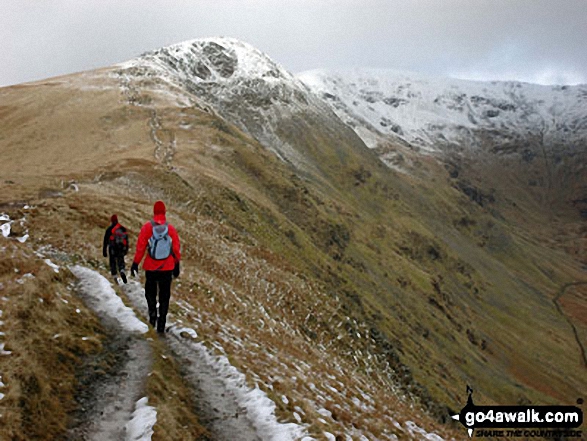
x: 112, y: 232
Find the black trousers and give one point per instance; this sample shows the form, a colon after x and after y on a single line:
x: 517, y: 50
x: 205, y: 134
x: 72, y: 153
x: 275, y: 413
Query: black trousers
x: 116, y: 261
x: 158, y: 283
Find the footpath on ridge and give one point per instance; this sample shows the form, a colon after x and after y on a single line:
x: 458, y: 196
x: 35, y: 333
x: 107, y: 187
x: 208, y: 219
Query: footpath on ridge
x: 114, y: 406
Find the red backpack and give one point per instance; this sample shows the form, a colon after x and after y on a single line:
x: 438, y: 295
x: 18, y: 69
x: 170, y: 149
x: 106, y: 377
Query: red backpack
x: 119, y: 238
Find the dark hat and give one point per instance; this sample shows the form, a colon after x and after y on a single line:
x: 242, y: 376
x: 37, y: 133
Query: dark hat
x: 114, y: 219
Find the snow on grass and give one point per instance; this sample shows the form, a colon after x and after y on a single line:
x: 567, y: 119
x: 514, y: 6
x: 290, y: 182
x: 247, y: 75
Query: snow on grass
x: 2, y: 386
x: 52, y: 265
x: 2, y: 351
x: 259, y: 407
x: 24, y: 278
x: 418, y: 432
x: 140, y: 427
x: 5, y: 229
x: 104, y: 299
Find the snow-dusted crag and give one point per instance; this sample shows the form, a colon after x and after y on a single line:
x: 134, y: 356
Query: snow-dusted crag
x: 439, y: 114
x: 239, y: 82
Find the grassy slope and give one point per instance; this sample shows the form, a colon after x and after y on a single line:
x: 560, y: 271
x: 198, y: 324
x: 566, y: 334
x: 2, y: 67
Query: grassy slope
x: 367, y: 266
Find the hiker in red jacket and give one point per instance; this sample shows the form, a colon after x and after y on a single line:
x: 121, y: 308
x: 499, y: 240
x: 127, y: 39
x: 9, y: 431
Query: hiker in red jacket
x: 161, y: 242
x: 115, y: 246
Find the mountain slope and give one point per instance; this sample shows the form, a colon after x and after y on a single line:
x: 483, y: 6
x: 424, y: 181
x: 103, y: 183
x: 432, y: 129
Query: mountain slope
x: 436, y: 114
x: 521, y: 143
x: 360, y: 294
x: 241, y: 84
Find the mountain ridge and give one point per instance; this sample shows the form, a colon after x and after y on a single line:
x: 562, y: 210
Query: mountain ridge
x: 436, y: 114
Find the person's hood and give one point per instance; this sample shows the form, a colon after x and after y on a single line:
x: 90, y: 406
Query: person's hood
x: 159, y: 212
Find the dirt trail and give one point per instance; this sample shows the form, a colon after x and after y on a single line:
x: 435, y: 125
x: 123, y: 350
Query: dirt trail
x: 108, y: 399
x: 113, y: 381
x: 218, y: 406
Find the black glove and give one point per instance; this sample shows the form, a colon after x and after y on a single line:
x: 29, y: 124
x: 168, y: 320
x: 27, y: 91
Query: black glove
x: 104, y: 252
x: 134, y: 269
x: 176, y: 270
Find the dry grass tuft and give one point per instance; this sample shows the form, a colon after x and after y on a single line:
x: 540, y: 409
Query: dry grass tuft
x: 170, y: 395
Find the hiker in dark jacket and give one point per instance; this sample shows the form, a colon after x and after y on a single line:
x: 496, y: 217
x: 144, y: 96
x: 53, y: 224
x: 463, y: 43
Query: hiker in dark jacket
x: 161, y: 242
x: 116, y: 246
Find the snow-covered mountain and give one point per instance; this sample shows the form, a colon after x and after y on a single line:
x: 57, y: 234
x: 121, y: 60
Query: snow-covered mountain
x: 237, y: 81
x: 433, y: 113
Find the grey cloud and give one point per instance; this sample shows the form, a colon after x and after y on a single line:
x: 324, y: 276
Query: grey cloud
x: 531, y: 40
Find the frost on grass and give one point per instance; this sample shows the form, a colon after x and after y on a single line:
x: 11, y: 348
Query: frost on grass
x: 259, y: 407
x: 99, y: 292
x: 140, y: 427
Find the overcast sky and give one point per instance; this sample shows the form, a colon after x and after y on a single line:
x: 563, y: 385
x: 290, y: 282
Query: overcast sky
x: 541, y: 41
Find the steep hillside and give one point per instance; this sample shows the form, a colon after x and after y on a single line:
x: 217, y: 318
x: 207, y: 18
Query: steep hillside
x: 359, y: 299
x: 525, y: 141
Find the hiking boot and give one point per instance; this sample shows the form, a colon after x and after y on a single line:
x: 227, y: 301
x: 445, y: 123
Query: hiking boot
x: 160, y: 326
x: 123, y: 276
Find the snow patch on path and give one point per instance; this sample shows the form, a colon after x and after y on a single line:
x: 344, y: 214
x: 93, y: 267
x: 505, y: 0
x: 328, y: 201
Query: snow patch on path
x: 140, y: 427
x: 251, y: 403
x: 104, y: 300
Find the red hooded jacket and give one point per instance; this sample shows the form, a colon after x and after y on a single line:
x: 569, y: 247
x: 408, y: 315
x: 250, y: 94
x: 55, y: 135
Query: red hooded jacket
x: 151, y: 264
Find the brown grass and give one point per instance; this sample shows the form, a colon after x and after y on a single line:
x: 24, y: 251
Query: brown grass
x: 44, y: 334
x: 170, y: 395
